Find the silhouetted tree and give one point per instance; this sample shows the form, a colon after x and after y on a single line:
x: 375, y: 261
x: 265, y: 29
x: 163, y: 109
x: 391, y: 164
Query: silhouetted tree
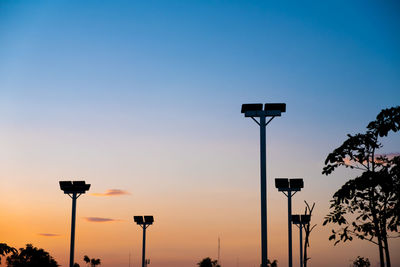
x: 86, y: 259
x: 361, y: 262
x: 76, y: 265
x: 307, y: 229
x: 368, y: 206
x: 5, y: 249
x: 208, y: 262
x: 95, y: 262
x: 31, y: 257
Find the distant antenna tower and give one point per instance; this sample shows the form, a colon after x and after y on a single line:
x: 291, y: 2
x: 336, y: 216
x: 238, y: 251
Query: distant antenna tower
x: 219, y: 251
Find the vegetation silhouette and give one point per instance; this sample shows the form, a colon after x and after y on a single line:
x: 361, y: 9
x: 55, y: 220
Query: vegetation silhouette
x: 208, y: 262
x: 86, y: 259
x: 272, y: 264
x: 361, y: 262
x: 93, y: 262
x: 367, y: 206
x: 31, y: 256
x: 5, y: 249
x: 307, y: 229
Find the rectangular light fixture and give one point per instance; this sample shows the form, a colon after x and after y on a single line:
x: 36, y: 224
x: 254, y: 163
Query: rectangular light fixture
x: 296, y: 219
x: 138, y: 219
x: 275, y: 107
x: 70, y: 187
x: 148, y: 219
x: 65, y: 185
x: 251, y: 107
x: 281, y: 183
x: 296, y: 183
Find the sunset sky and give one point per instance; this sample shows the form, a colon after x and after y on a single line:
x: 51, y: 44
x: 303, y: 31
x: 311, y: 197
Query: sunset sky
x: 142, y: 100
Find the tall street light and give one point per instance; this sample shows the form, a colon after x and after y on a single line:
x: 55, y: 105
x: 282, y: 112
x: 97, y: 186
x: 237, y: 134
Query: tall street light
x: 144, y: 223
x: 289, y: 187
x: 300, y: 221
x: 253, y: 111
x: 73, y: 189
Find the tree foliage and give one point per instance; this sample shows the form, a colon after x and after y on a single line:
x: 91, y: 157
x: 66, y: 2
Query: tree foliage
x: 31, y: 256
x: 5, y: 249
x: 86, y: 259
x: 208, y: 262
x: 361, y: 262
x: 367, y: 206
x: 272, y: 264
x: 93, y: 262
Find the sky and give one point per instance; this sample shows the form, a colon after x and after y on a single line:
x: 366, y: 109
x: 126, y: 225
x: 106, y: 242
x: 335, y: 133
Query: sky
x: 142, y: 99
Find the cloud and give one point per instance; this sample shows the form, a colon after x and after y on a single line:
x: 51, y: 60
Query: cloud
x: 48, y: 235
x: 100, y: 220
x: 111, y: 193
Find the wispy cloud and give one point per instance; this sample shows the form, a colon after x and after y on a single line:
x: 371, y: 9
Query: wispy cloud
x: 100, y: 220
x: 48, y: 235
x: 111, y: 193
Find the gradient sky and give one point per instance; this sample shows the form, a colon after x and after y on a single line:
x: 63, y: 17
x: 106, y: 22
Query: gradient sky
x: 144, y: 97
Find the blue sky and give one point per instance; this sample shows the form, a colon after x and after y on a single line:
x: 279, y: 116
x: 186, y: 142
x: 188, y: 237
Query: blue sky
x: 153, y: 89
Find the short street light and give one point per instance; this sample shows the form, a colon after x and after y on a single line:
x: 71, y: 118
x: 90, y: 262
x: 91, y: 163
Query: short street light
x: 253, y: 111
x: 144, y: 222
x: 300, y: 221
x: 73, y: 189
x: 289, y: 187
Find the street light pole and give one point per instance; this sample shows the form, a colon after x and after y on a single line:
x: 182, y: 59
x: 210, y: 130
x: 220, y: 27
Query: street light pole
x: 301, y: 244
x: 263, y: 167
x: 256, y: 111
x: 144, y: 222
x: 144, y: 246
x: 300, y: 221
x: 74, y: 190
x: 289, y: 197
x: 72, y: 246
x: 289, y: 187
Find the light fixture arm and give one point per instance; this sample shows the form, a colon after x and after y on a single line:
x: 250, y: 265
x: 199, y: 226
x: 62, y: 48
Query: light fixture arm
x: 270, y: 120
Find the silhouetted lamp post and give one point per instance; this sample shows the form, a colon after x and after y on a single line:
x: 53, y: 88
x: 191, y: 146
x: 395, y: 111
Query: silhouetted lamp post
x: 73, y: 189
x: 253, y: 111
x: 144, y: 222
x: 289, y: 187
x: 300, y: 221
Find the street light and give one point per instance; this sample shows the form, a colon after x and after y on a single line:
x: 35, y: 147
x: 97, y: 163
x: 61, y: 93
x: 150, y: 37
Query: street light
x: 73, y: 189
x: 253, y: 111
x: 300, y: 221
x: 144, y: 222
x: 289, y: 187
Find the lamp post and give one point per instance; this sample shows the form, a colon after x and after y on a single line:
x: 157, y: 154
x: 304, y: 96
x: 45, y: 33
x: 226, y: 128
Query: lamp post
x: 300, y: 221
x: 289, y: 187
x: 253, y: 111
x: 73, y: 189
x: 144, y: 222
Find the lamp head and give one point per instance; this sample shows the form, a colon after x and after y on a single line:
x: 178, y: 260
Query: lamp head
x: 138, y: 219
x: 77, y: 187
